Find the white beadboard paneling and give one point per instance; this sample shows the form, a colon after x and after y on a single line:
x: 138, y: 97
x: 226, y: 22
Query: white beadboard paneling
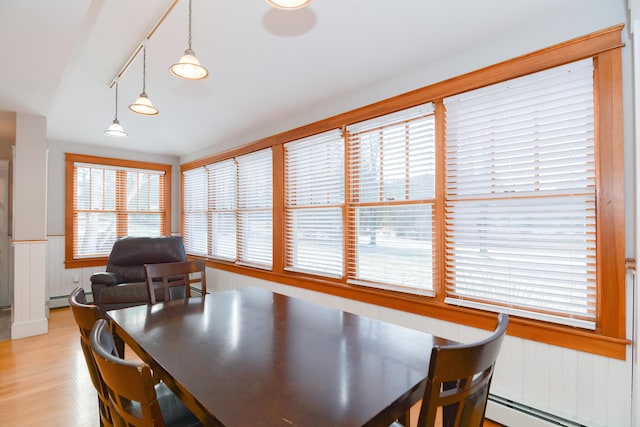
x: 586, y: 384
x: 410, y: 320
x: 29, y: 303
x: 432, y: 325
x: 508, y: 379
x: 619, y: 403
x: 467, y: 334
x: 450, y: 330
x: 536, y: 378
x: 600, y: 384
x: 564, y: 394
x: 60, y: 280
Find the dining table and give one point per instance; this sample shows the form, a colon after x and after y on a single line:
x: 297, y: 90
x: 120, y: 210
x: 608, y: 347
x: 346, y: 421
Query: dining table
x: 253, y: 357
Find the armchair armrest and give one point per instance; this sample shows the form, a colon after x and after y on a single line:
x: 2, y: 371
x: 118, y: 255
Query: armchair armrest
x: 100, y: 281
x: 104, y: 278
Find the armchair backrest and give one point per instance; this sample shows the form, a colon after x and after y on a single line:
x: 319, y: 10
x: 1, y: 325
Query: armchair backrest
x: 129, y: 254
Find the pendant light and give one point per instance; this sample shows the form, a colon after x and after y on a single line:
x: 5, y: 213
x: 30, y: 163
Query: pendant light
x: 189, y: 67
x: 143, y: 103
x: 288, y: 4
x: 116, y: 129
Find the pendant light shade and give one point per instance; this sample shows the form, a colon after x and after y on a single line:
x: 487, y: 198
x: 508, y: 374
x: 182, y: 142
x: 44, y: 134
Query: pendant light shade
x: 189, y: 67
x: 143, y: 104
x: 288, y: 4
x: 116, y: 129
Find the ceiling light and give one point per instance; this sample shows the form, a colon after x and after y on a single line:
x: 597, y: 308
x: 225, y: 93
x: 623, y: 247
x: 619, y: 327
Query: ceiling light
x: 189, y: 67
x: 143, y: 103
x: 288, y: 4
x: 116, y: 129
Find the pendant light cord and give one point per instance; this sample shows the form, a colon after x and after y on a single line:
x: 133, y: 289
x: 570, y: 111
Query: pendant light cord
x: 144, y: 67
x: 116, y: 100
x: 189, y: 24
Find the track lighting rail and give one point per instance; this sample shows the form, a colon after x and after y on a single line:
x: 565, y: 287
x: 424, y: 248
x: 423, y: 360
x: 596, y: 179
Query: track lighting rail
x: 140, y: 46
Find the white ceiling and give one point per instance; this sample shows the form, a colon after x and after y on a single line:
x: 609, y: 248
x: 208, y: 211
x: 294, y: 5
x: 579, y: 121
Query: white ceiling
x: 265, y: 65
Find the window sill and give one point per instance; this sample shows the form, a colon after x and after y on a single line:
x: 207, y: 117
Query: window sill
x: 548, y: 333
x: 85, y: 262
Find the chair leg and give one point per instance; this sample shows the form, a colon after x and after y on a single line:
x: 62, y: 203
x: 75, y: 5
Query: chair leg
x: 119, y: 342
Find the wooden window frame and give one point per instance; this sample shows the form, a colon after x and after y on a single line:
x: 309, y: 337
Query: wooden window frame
x: 291, y: 204
x: 70, y: 160
x: 609, y: 339
x: 353, y: 144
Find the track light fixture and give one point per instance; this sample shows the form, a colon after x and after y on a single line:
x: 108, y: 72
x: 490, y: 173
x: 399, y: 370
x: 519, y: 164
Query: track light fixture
x: 189, y: 67
x: 116, y: 129
x: 143, y: 103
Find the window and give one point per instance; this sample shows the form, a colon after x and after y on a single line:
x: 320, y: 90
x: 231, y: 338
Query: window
x: 255, y: 199
x: 110, y: 199
x: 498, y: 190
x: 392, y: 177
x: 222, y: 202
x: 521, y: 196
x: 227, y: 209
x: 194, y: 213
x: 315, y: 203
x: 209, y: 210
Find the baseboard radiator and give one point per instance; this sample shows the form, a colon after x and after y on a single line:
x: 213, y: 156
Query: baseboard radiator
x: 510, y: 413
x: 59, y: 301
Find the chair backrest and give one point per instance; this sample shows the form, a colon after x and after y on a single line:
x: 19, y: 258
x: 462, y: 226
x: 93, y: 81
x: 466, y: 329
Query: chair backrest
x: 130, y: 384
x: 175, y: 276
x: 459, y: 379
x: 86, y: 315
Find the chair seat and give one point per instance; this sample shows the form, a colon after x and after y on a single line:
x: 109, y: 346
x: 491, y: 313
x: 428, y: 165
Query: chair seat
x: 173, y: 410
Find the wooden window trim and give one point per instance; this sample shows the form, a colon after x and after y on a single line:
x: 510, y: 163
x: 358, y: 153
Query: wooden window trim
x: 610, y: 337
x: 70, y: 159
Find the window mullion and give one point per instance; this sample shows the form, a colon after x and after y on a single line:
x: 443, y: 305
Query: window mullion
x: 121, y: 204
x: 439, y: 252
x: 278, y: 209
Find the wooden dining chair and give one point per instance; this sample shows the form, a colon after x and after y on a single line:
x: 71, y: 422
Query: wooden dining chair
x: 175, y: 279
x: 459, y: 379
x: 86, y: 315
x: 134, y: 398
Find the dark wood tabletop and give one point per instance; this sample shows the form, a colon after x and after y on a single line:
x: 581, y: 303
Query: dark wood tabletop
x: 250, y: 357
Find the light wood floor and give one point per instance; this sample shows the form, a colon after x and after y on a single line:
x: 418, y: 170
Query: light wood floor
x: 44, y: 379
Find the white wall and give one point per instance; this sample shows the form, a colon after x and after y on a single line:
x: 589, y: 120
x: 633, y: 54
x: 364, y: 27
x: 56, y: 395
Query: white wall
x: 30, y: 173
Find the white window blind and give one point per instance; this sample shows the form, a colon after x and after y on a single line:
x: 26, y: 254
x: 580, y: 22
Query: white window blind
x: 112, y: 202
x: 314, y: 204
x: 195, y: 226
x: 255, y: 216
x: 222, y: 207
x: 520, y: 196
x: 392, y: 179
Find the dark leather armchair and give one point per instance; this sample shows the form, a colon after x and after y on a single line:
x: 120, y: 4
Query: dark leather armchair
x: 123, y: 284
